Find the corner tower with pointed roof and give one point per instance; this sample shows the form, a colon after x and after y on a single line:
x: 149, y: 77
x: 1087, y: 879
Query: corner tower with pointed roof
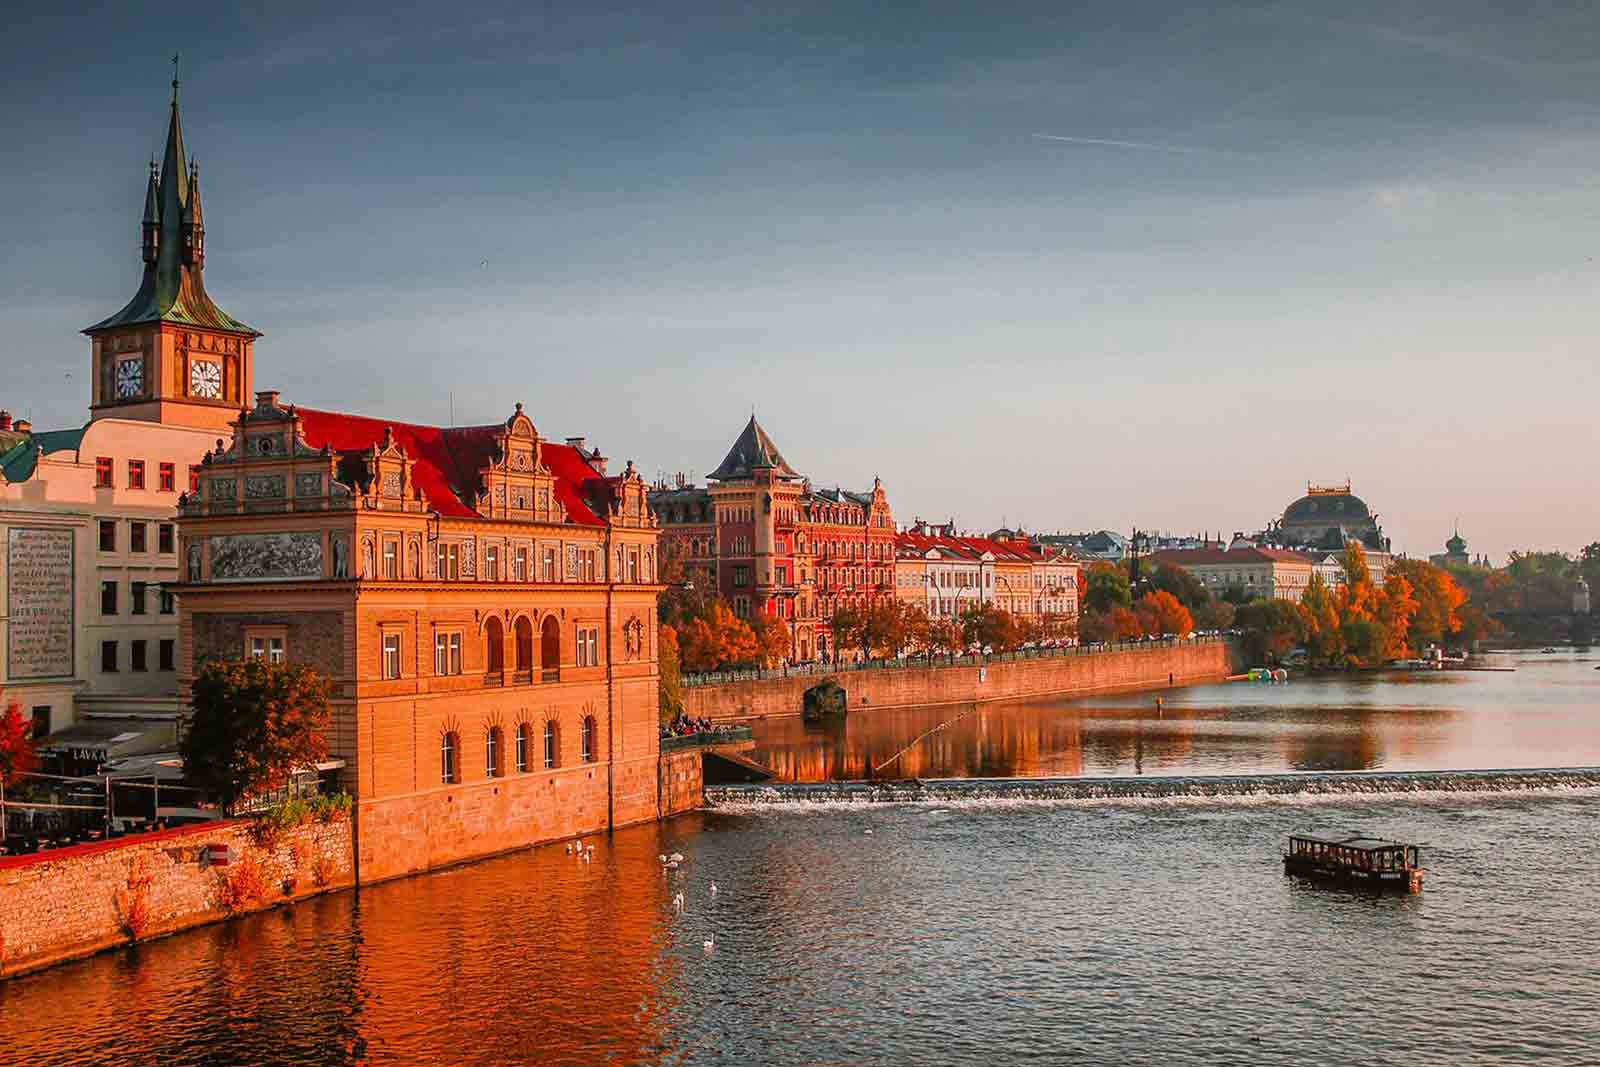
x: 171, y: 355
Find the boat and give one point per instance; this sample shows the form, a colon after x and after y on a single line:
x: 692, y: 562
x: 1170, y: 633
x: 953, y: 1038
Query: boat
x: 1354, y: 859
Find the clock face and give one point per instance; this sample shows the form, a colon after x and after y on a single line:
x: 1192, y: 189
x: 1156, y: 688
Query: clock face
x: 205, y: 379
x: 130, y: 378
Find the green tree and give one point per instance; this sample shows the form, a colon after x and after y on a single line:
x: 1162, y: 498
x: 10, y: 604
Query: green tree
x: 1324, y: 638
x: 1270, y: 628
x: 1105, y: 587
x: 1214, y: 615
x: 1189, y: 590
x: 254, y: 724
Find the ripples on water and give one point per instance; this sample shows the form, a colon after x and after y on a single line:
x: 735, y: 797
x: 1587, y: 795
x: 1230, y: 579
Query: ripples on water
x: 1157, y: 932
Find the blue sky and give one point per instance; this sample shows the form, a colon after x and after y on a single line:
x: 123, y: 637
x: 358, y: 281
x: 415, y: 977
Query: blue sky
x: 1338, y: 240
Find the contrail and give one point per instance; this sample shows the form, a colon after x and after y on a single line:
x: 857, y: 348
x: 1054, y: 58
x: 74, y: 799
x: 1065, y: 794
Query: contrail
x: 1143, y: 146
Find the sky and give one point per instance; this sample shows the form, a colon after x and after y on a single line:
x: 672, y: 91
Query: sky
x: 1063, y: 265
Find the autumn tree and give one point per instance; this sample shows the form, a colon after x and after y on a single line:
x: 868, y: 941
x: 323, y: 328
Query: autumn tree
x: 1324, y: 638
x: 772, y: 639
x: 1438, y: 597
x: 17, y: 756
x: 254, y: 725
x: 1214, y: 615
x: 944, y: 636
x: 989, y: 627
x: 716, y: 638
x: 849, y: 626
x: 1171, y: 578
x: 1161, y: 613
x: 670, y: 687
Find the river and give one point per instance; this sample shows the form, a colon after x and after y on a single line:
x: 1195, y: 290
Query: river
x: 987, y: 932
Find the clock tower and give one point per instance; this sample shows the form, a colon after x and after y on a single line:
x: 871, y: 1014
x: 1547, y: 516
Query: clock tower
x: 172, y: 355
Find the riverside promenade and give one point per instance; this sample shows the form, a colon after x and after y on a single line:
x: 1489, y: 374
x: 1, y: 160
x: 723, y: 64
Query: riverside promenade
x: 1075, y: 671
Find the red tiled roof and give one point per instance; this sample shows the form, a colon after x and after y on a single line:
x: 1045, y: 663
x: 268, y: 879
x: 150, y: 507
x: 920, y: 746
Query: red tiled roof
x: 446, y: 461
x: 971, y: 547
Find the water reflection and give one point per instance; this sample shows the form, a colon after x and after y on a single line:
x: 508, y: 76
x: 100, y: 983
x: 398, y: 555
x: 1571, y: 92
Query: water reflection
x: 1541, y: 715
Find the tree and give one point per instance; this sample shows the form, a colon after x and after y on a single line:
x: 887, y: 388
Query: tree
x: 670, y: 690
x: 849, y: 626
x: 771, y: 639
x: 254, y: 725
x: 1171, y: 578
x: 1106, y: 587
x: 1162, y: 613
x: 1270, y: 628
x: 1118, y: 624
x: 989, y: 627
x: 1214, y: 615
x: 716, y: 638
x: 944, y: 636
x: 1439, y: 600
x: 1395, y: 609
x: 17, y: 756
x: 1324, y: 639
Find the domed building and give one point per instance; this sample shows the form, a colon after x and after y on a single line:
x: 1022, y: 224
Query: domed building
x: 1328, y: 518
x: 1454, y: 554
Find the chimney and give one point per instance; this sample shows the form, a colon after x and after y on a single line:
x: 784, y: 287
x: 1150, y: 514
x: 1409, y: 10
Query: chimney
x: 266, y: 398
x: 5, y: 420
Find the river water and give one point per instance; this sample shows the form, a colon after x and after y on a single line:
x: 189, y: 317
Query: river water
x: 984, y: 932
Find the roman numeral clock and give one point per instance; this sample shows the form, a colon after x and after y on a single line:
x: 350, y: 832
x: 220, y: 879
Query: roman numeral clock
x: 205, y: 379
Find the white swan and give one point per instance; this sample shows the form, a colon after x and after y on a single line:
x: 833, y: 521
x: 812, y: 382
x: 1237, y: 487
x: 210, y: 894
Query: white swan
x: 708, y: 944
x: 676, y: 857
x: 713, y: 889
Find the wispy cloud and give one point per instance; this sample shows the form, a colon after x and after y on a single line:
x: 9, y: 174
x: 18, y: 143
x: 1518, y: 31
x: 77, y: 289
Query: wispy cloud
x: 1144, y: 146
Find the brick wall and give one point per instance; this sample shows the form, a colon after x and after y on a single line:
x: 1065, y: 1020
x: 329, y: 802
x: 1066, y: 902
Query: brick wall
x: 682, y: 782
x: 1100, y: 672
x: 315, y: 638
x: 72, y: 902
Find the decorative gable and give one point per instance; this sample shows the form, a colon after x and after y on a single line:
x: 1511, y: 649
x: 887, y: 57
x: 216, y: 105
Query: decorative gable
x: 514, y: 481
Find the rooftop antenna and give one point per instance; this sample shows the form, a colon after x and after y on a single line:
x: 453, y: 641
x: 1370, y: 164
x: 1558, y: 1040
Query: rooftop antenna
x: 175, y: 56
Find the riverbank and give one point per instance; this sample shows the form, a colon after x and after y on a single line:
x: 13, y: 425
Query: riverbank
x: 1077, y: 672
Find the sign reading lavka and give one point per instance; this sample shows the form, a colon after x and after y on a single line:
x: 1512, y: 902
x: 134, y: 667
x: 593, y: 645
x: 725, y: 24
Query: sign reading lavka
x: 39, y: 602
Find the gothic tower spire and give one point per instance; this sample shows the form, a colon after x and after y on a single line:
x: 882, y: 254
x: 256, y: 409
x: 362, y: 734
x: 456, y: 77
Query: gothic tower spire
x: 171, y: 354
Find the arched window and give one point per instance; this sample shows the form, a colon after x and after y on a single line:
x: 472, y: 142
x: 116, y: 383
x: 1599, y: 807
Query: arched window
x: 491, y: 752
x: 494, y: 646
x: 524, y: 635
x: 588, y: 739
x: 524, y: 743
x: 448, y: 772
x: 550, y: 648
x: 552, y: 747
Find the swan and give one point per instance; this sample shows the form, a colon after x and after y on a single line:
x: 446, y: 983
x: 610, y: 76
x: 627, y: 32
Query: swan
x: 708, y: 944
x: 713, y: 889
x: 677, y: 857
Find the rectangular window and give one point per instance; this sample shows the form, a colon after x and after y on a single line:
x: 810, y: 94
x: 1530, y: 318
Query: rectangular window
x: 519, y: 565
x: 102, y: 472
x: 633, y: 565
x: 449, y: 561
x: 164, y: 539
x: 265, y: 646
x: 391, y: 655
x: 135, y: 474
x: 447, y: 653
x: 108, y: 535
x: 138, y: 537
x: 169, y: 478
x: 136, y: 598
x: 168, y: 604
x: 108, y: 657
x: 548, y: 567
x: 391, y: 560
x: 168, y: 647
x: 136, y: 660
x: 108, y: 598
x: 491, y: 563
x: 41, y: 721
x: 194, y: 479
x: 588, y: 646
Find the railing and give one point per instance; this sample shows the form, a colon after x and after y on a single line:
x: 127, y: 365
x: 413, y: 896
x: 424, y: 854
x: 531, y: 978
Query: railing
x: 521, y: 677
x: 691, y: 681
x: 494, y: 679
x: 725, y: 736
x: 550, y: 674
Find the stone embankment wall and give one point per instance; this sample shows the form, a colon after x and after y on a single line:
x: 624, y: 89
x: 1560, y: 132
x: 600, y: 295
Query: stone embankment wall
x: 1118, y: 670
x: 71, y: 902
x: 682, y: 782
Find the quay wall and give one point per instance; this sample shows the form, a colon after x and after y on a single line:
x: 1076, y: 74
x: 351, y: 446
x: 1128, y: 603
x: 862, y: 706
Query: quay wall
x: 70, y: 902
x: 1115, y: 670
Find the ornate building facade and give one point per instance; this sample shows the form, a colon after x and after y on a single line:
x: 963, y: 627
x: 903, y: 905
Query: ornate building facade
x: 771, y: 544
x: 483, y: 598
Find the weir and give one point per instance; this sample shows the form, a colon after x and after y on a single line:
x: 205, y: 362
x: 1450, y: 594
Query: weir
x: 1304, y: 783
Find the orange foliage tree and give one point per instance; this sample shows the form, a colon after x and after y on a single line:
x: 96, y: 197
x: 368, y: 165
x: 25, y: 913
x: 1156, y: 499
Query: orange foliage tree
x: 16, y: 745
x: 716, y: 638
x: 1162, y: 613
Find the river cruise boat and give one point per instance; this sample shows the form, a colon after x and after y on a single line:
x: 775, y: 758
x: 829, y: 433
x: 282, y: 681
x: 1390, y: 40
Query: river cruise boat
x: 1354, y: 859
